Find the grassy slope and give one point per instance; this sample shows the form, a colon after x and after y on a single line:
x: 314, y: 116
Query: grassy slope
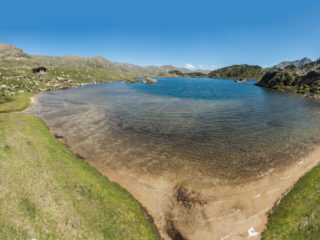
x: 298, y: 214
x: 16, y: 77
x: 46, y: 192
x: 238, y: 71
x: 15, y: 103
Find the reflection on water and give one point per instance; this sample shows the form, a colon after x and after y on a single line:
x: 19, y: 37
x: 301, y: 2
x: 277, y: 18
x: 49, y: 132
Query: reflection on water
x: 212, y: 127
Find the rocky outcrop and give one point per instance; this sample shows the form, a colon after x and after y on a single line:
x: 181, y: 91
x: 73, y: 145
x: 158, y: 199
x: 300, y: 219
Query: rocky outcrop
x: 241, y: 80
x: 149, y: 80
x: 305, y: 80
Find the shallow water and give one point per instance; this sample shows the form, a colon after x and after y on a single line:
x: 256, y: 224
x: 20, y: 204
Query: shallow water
x: 200, y: 154
x: 212, y: 127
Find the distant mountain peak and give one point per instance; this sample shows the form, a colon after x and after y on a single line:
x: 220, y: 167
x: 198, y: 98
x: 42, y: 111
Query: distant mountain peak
x: 298, y: 63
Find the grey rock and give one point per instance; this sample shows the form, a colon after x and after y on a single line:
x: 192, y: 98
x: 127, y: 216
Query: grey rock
x: 241, y: 80
x: 149, y: 80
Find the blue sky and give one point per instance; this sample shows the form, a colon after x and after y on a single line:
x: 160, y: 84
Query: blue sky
x: 200, y: 33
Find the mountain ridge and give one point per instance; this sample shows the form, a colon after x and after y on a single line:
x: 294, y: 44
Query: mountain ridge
x: 8, y: 51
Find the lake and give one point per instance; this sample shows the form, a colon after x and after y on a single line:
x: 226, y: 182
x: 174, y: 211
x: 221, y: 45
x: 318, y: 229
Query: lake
x: 215, y: 125
x: 208, y: 158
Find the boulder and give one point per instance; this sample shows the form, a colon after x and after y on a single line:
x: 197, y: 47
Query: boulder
x: 149, y: 80
x: 241, y: 80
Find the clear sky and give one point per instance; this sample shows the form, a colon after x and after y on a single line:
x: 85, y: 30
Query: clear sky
x: 200, y: 33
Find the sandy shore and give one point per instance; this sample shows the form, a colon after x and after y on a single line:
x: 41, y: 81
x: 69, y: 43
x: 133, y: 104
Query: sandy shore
x: 220, y: 210
x: 211, y: 209
x: 184, y: 207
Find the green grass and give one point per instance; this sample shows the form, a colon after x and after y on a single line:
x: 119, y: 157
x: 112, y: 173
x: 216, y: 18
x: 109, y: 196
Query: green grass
x: 15, y: 102
x: 298, y: 214
x: 46, y: 192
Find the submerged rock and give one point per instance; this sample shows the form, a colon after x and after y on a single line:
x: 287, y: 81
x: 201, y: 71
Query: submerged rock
x: 150, y: 80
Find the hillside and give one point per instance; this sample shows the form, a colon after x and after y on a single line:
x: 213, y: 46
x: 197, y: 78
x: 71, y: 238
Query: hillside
x: 73, y: 61
x: 304, y: 80
x: 153, y: 70
x: 298, y: 63
x: 238, y: 71
x: 16, y: 77
x: 8, y: 51
x: 100, y: 62
x: 177, y: 73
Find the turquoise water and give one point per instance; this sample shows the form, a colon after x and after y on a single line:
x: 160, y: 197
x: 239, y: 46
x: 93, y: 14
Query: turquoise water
x: 203, y: 88
x: 208, y: 126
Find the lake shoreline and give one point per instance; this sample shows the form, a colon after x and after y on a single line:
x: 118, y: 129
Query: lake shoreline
x: 59, y: 188
x: 146, y: 192
x: 158, y: 195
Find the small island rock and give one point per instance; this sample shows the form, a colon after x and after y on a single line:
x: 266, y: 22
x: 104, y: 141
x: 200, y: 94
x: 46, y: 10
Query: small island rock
x: 150, y: 80
x: 241, y: 80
